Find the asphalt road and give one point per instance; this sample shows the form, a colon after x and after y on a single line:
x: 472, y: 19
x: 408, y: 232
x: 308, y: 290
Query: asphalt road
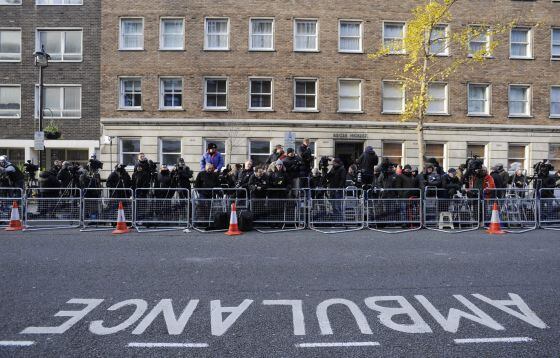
x: 284, y: 295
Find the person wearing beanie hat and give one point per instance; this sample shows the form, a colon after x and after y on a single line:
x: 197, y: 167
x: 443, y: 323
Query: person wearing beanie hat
x: 451, y: 183
x: 212, y: 156
x: 278, y: 153
x: 407, y: 181
x: 279, y: 181
x: 366, y: 164
x: 292, y: 163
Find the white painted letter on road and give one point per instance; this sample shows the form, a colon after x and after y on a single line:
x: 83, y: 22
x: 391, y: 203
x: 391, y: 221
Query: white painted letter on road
x: 386, y: 314
x: 297, y: 313
x: 220, y: 326
x: 323, y: 317
x: 525, y: 314
x: 96, y: 327
x: 174, y: 325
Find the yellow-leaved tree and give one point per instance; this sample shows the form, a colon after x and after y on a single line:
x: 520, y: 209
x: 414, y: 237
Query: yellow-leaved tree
x: 420, y: 51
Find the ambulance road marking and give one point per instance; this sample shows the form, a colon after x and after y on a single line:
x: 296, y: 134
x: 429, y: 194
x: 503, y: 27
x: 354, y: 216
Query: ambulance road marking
x: 338, y: 344
x: 167, y: 345
x: 16, y: 343
x: 493, y: 340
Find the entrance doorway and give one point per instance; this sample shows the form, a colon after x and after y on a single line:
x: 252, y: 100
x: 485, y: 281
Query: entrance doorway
x: 348, y: 152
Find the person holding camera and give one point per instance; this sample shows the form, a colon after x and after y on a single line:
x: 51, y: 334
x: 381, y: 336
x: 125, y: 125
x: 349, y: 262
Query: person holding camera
x: 212, y: 156
x: 306, y: 156
x: 182, y: 175
x: 366, y: 164
x: 207, y: 179
x: 143, y: 175
x: 12, y: 172
x: 244, y: 175
x: 119, y: 179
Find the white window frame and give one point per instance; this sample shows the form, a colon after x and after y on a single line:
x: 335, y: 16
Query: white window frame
x: 488, y: 105
x: 49, y: 3
x: 228, y: 34
x: 161, y: 34
x: 446, y: 45
x: 525, y: 159
x: 14, y: 29
x: 553, y: 115
x: 47, y: 114
x: 222, y: 109
x: 121, y: 94
x: 251, y: 48
x: 121, y: 153
x: 262, y: 109
x: 13, y: 86
x: 162, y: 106
x: 316, y: 49
x: 249, y: 140
x: 62, y: 30
x: 361, y: 36
x: 305, y: 109
x: 17, y: 4
x: 529, y: 101
x: 160, y: 149
x: 403, y: 50
x: 121, y: 34
x: 552, y: 43
x: 487, y: 42
x: 383, y: 111
x: 446, y: 99
x: 529, y: 44
x: 360, y: 87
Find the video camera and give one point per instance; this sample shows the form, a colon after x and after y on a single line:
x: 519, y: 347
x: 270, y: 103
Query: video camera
x: 31, y: 169
x: 543, y: 169
x: 95, y: 165
x: 324, y: 164
x: 473, y: 166
x: 152, y: 166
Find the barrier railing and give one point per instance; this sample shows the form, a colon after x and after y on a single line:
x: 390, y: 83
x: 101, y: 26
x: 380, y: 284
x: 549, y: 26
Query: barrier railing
x: 161, y: 209
x: 212, y: 206
x: 336, y: 210
x: 100, y: 208
x: 7, y: 198
x: 276, y: 210
x: 517, y: 208
x: 394, y: 210
x: 51, y: 208
x: 549, y: 209
x: 455, y: 214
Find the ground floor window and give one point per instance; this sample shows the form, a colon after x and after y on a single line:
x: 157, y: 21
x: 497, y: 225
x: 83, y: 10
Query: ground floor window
x: 130, y: 148
x: 220, y: 143
x: 554, y: 155
x: 15, y: 155
x: 393, y: 151
x: 437, y: 151
x: 478, y: 150
x: 170, y: 151
x: 516, y: 156
x: 259, y: 150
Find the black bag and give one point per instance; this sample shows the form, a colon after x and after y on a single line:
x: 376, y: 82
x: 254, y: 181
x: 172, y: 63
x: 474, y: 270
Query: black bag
x: 220, y: 222
x: 245, y: 220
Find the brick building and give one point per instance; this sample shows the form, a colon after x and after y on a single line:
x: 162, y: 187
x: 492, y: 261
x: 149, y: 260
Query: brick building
x: 70, y: 32
x: 178, y: 74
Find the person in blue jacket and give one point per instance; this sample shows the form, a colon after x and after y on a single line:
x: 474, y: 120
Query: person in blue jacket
x: 212, y: 156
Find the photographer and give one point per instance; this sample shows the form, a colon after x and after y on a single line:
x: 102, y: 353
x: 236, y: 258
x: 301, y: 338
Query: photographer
x: 64, y: 176
x: 165, y: 181
x: 481, y: 180
x: 451, y: 183
x: 258, y: 184
x: 119, y: 179
x: 408, y: 181
x: 292, y: 163
x: 182, y: 175
x: 280, y: 181
x: 366, y: 164
x: 388, y: 180
x: 245, y: 175
x: 31, y: 171
x: 336, y: 180
x: 145, y: 173
x: 12, y: 172
x: 306, y: 156
x: 207, y: 179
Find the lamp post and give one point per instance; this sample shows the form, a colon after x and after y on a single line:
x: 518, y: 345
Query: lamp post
x: 41, y: 61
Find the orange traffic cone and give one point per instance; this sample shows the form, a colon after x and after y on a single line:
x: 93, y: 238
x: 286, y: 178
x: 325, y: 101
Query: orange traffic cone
x: 495, y: 228
x: 15, y: 221
x: 121, y: 221
x: 233, y: 227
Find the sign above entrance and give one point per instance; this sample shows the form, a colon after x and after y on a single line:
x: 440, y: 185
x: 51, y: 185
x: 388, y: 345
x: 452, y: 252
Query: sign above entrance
x: 39, y: 142
x: 350, y: 135
x: 289, y: 140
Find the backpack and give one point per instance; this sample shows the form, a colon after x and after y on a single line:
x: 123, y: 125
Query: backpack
x: 245, y: 220
x: 220, y: 222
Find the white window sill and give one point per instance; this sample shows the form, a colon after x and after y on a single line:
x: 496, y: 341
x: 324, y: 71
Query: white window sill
x: 308, y: 51
x: 555, y: 58
x: 66, y: 61
x: 9, y: 117
x: 58, y: 118
x: 131, y: 49
x: 358, y: 52
x: 260, y: 110
x: 390, y: 112
x: 520, y: 116
x: 554, y: 116
x: 303, y: 110
x: 217, y: 49
x: 350, y: 112
x: 130, y: 109
x: 440, y: 54
x: 479, y: 115
x: 10, y: 61
x: 215, y: 110
x: 396, y: 53
x: 489, y: 57
x: 177, y: 109
x: 521, y: 58
x: 438, y: 114
x: 171, y: 49
x: 262, y: 50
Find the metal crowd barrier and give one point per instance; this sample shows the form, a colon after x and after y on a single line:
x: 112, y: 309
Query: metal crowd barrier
x: 276, y: 210
x: 208, y: 203
x: 52, y: 208
x: 336, y: 210
x: 517, y: 208
x: 549, y: 209
x: 161, y: 209
x: 456, y: 214
x: 394, y: 211
x: 7, y: 198
x: 100, y: 208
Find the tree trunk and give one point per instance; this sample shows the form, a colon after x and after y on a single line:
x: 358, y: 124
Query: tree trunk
x: 421, y: 146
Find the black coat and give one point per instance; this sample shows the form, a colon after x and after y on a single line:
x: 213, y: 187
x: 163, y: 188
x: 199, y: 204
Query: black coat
x: 293, y: 166
x: 450, y: 185
x: 244, y: 176
x: 306, y: 160
x: 336, y: 177
x: 258, y: 186
x: 408, y: 182
x: 367, y: 161
x: 141, y: 177
x: 205, y: 180
x: 47, y: 180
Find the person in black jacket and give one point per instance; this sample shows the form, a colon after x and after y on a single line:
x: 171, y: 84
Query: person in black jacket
x: 407, y: 181
x: 244, y: 175
x: 207, y: 179
x: 366, y: 164
x: 336, y: 181
x: 49, y: 187
x: 165, y: 184
x: 119, y: 179
x: 451, y: 183
x: 15, y: 177
x: 182, y: 175
x: 279, y: 182
x: 498, y: 182
x: 292, y: 163
x: 142, y: 175
x: 306, y: 156
x: 278, y: 153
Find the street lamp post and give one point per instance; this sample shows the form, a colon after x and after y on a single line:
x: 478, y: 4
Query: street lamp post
x: 41, y: 61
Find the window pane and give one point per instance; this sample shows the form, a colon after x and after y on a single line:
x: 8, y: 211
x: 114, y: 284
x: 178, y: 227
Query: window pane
x: 10, y: 45
x: 131, y: 145
x: 476, y: 149
x: 171, y: 146
x: 260, y: 147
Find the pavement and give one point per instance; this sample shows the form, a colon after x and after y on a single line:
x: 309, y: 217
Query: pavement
x: 294, y: 294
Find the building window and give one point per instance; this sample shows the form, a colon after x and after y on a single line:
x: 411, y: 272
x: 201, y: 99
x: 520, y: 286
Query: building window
x: 350, y: 36
x: 59, y: 2
x: 478, y: 150
x: 215, y: 93
x: 305, y: 95
x: 349, y: 95
x: 63, y: 46
x: 261, y: 37
x: 479, y: 41
x: 479, y: 99
x: 171, y: 93
x: 306, y: 35
x: 437, y: 151
x: 79, y: 156
x: 555, y: 43
x: 216, y: 35
x: 10, y: 45
x: 131, y: 93
x: 393, y: 37
x: 130, y: 148
x: 170, y: 151
x: 393, y: 151
x: 439, y: 41
x: 60, y: 102
x: 259, y: 150
x: 132, y: 34
x: 260, y: 94
x: 438, y: 98
x: 554, y: 155
x: 516, y: 156
x: 10, y: 101
x: 393, y: 97
x: 555, y: 101
x: 10, y: 2
x: 220, y: 143
x: 520, y: 43
x: 15, y: 155
x: 519, y: 100
x: 172, y: 34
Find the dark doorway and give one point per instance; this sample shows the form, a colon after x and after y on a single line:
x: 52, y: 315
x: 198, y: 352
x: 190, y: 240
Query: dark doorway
x: 348, y: 152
